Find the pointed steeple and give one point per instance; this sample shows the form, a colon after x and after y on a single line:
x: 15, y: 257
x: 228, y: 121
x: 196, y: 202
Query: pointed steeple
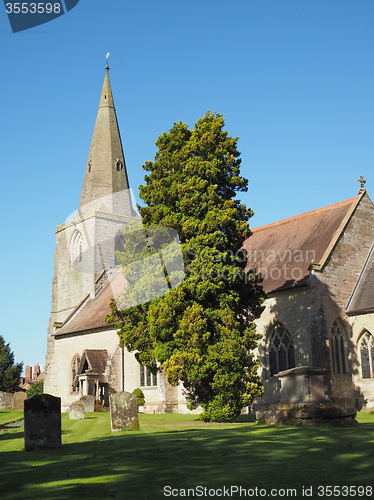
x: 105, y: 186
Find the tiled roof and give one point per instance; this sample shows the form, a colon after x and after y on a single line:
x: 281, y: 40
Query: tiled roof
x: 283, y: 251
x: 96, y: 358
x: 92, y: 311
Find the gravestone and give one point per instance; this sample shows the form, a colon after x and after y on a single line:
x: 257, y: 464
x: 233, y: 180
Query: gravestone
x: 77, y: 410
x: 19, y: 398
x: 42, y: 422
x: 89, y: 403
x: 123, y: 411
x: 5, y: 400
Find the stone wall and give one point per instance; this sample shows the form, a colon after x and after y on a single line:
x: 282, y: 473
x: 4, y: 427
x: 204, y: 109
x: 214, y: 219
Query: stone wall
x: 309, y: 313
x: 72, y: 283
x: 60, y: 372
x: 292, y: 309
x: 334, y: 287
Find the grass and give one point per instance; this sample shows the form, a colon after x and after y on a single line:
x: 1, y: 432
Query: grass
x: 178, y: 451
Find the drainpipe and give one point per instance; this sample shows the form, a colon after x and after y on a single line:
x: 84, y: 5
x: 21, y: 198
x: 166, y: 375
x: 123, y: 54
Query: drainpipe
x: 123, y: 368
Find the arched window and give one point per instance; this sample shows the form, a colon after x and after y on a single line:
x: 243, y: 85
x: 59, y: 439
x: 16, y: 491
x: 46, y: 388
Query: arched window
x: 281, y: 350
x: 337, y: 348
x: 74, y: 371
x: 367, y: 355
x: 76, y: 247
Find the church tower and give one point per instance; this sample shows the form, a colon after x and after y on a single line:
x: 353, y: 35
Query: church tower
x: 86, y: 243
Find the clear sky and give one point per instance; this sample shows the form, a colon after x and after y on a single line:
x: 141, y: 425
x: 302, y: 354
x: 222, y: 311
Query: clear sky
x: 293, y: 78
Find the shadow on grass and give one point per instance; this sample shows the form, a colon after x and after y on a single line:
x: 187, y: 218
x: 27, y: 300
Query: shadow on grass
x: 138, y: 465
x: 11, y: 434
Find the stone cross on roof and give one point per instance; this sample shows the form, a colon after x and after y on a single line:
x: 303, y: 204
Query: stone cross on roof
x: 363, y: 182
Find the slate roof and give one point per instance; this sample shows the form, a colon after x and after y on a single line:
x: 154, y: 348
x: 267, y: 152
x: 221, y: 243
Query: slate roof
x: 283, y: 251
x: 362, y: 299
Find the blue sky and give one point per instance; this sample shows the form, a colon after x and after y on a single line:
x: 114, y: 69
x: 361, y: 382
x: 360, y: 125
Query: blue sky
x: 294, y: 80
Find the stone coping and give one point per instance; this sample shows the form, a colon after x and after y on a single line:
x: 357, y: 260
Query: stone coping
x: 300, y: 370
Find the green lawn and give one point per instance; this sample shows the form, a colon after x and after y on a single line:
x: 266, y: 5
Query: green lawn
x: 180, y: 452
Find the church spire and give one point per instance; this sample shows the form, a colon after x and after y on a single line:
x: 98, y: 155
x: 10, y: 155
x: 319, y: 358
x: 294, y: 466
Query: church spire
x: 105, y: 186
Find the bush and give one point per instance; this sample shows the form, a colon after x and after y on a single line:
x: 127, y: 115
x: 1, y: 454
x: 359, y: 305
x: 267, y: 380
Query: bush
x: 140, y: 396
x: 99, y: 406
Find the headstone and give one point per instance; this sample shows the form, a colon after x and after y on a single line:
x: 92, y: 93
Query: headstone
x: 89, y: 403
x: 5, y: 400
x: 42, y: 422
x: 19, y: 398
x: 123, y: 411
x: 77, y: 410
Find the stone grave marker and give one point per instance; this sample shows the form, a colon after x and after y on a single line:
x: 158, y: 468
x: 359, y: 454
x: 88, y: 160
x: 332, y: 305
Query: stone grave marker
x: 89, y: 403
x: 42, y: 422
x: 123, y: 411
x: 19, y: 398
x: 77, y: 410
x: 6, y: 400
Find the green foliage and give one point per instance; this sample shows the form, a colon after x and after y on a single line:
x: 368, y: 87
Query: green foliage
x: 10, y: 373
x: 36, y: 388
x: 202, y: 332
x: 140, y: 396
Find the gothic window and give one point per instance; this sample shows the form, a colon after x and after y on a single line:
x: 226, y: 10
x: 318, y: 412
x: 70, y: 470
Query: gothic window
x: 281, y: 350
x: 89, y: 164
x: 338, y: 350
x: 147, y: 378
x: 119, y: 165
x: 76, y: 247
x: 74, y: 371
x: 367, y: 355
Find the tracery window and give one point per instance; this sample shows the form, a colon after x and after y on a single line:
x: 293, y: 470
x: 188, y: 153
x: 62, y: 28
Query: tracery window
x: 281, y: 350
x: 367, y: 355
x: 74, y: 371
x: 147, y: 378
x: 338, y: 349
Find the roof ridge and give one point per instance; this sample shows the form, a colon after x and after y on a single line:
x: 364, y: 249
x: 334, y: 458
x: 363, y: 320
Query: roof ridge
x: 311, y: 212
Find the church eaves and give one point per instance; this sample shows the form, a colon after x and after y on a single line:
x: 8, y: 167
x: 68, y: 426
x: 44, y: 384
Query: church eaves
x: 105, y: 186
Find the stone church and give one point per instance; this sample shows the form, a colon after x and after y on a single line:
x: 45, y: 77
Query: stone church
x: 317, y: 267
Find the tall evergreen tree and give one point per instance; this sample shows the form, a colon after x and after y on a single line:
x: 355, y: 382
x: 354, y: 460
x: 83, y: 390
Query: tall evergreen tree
x: 202, y: 332
x: 10, y: 373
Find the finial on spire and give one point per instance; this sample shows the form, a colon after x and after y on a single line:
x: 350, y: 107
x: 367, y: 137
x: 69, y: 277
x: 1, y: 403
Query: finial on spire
x: 107, y: 61
x: 362, y: 181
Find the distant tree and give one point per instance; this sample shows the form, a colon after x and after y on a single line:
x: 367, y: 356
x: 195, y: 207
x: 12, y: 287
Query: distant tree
x: 36, y: 388
x: 10, y: 373
x: 202, y: 332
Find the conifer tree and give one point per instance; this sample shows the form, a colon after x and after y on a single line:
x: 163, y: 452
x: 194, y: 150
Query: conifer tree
x: 202, y: 332
x: 10, y: 373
